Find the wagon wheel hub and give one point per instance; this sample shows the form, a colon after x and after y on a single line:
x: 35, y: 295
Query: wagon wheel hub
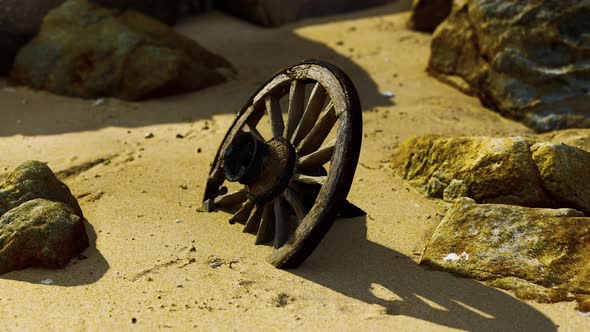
x: 265, y: 168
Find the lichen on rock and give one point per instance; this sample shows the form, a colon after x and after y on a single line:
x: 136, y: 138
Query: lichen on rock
x: 541, y: 254
x: 511, y: 170
x: 495, y: 170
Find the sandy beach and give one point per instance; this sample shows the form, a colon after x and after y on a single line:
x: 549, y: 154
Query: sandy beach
x: 156, y: 263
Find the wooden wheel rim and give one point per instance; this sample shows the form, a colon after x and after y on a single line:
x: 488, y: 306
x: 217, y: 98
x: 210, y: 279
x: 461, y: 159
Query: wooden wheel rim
x: 341, y: 92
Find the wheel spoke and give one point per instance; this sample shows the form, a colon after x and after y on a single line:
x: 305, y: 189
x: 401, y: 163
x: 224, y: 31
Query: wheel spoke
x: 243, y: 213
x: 231, y: 199
x: 321, y: 180
x: 312, y: 111
x: 318, y: 158
x: 282, y: 222
x: 318, y: 134
x: 255, y: 132
x: 266, y: 230
x: 254, y: 221
x: 295, y: 203
x: 296, y: 104
x: 273, y: 107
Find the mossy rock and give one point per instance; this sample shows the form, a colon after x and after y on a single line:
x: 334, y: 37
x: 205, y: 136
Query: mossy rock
x: 31, y: 180
x: 511, y: 170
x: 88, y: 51
x: 495, y: 170
x: 40, y: 233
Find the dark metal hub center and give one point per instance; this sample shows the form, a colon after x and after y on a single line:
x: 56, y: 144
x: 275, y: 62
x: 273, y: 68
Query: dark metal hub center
x: 265, y: 168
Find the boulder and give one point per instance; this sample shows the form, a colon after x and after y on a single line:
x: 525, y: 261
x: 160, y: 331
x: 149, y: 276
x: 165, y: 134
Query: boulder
x: 278, y: 12
x: 494, y: 170
x: 428, y: 14
x: 40, y: 233
x: 88, y: 51
x: 526, y: 59
x: 513, y: 170
x: 20, y: 19
x: 32, y: 180
x: 544, y: 254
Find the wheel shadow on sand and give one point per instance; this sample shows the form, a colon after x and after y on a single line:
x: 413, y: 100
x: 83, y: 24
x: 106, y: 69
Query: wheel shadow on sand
x: 86, y: 269
x: 256, y: 53
x: 348, y: 263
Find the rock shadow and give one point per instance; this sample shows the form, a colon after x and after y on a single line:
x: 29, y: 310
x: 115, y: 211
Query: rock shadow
x: 255, y: 52
x: 88, y: 268
x: 349, y: 263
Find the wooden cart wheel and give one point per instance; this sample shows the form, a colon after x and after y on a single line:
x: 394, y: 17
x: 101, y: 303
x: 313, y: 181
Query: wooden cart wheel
x: 292, y: 179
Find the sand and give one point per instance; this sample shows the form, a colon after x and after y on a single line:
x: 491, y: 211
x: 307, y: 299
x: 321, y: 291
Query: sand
x: 156, y: 263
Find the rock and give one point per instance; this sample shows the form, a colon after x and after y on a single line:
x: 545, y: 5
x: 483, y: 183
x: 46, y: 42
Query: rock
x: 435, y: 188
x: 513, y: 170
x: 87, y: 51
x: 32, y: 180
x: 579, y: 138
x: 20, y: 19
x: 279, y: 12
x: 40, y: 233
x: 565, y: 173
x: 428, y: 14
x: 526, y: 59
x: 495, y: 170
x: 545, y: 253
x: 456, y: 189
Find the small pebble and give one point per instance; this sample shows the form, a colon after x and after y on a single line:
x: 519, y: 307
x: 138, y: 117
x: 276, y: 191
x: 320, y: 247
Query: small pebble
x: 149, y: 135
x: 199, y: 150
x: 98, y: 102
x: 387, y: 94
x: 47, y: 281
x: 133, y: 320
x: 183, y: 186
x: 181, y: 136
x: 178, y: 221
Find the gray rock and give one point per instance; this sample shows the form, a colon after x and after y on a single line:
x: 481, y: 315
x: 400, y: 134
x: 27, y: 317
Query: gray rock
x: 428, y: 14
x: 31, y: 180
x: 279, y: 12
x: 456, y: 189
x: 526, y: 59
x: 544, y: 254
x: 88, y: 51
x: 40, y: 233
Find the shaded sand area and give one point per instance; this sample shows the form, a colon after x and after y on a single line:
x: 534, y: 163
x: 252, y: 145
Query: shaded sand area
x: 155, y: 263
